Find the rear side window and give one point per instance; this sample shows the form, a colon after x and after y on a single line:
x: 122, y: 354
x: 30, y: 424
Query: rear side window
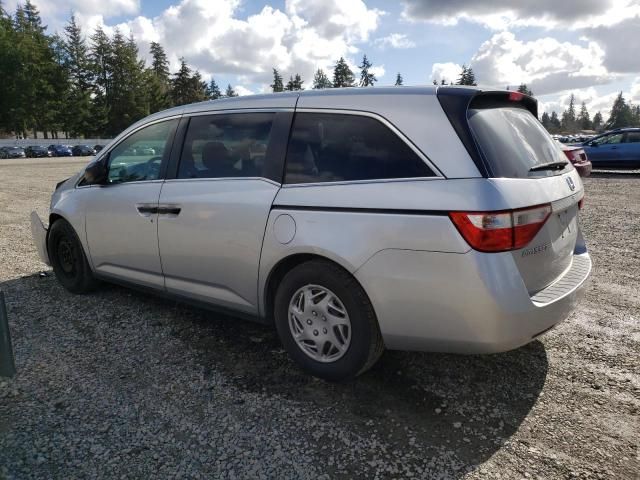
x: 327, y: 147
x: 226, y: 145
x: 513, y: 141
x: 633, y: 137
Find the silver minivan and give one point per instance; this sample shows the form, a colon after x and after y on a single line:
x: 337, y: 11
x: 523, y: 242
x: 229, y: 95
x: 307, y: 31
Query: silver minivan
x: 353, y: 220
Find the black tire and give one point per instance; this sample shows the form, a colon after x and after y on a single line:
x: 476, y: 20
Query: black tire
x: 68, y: 259
x: 366, y: 343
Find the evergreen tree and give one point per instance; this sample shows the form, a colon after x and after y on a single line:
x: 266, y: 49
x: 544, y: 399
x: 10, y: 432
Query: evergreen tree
x: 294, y: 83
x: 399, y: 80
x: 213, y: 91
x: 621, y: 115
x: 597, y: 122
x: 522, y: 88
x: 342, y: 75
x: 467, y: 77
x: 101, y: 57
x: 569, y: 123
x: 230, y: 92
x: 546, y: 121
x: 554, y: 121
x: 635, y: 115
x: 367, y: 79
x: 277, y: 85
x: 158, y: 79
x: 584, y: 120
x: 198, y: 88
x: 320, y: 80
x: 181, y: 84
x: 78, y: 67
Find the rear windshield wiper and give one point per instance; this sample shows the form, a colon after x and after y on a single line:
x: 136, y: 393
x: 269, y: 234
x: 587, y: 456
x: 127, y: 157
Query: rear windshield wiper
x: 549, y: 166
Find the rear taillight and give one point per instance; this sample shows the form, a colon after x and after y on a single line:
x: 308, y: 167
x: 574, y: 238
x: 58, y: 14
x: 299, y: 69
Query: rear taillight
x: 500, y: 231
x: 581, y: 203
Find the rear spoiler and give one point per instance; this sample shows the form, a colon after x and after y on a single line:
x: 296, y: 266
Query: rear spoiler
x: 456, y: 101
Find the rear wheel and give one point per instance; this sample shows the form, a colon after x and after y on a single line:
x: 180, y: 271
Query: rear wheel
x: 326, y: 322
x: 68, y: 259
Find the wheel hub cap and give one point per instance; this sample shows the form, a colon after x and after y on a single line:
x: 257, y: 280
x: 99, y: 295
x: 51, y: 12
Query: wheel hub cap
x: 319, y: 323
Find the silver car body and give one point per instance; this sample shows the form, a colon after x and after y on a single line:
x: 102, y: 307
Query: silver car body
x: 430, y: 290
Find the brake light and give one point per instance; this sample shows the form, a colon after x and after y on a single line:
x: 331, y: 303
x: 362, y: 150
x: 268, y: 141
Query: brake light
x: 581, y: 203
x: 500, y: 231
x: 515, y: 96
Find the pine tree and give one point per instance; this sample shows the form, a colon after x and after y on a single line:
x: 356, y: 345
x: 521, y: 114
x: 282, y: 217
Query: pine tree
x: 584, y: 121
x: 554, y: 121
x: 367, y: 79
x: 158, y: 79
x: 213, y: 91
x: 294, y: 83
x: 399, y: 80
x: 569, y: 116
x: 597, y: 122
x: 277, y: 85
x: 320, y: 80
x: 522, y: 88
x: 230, y: 92
x: 197, y: 88
x: 342, y: 75
x: 467, y: 77
x: 620, y: 116
x: 77, y: 64
x: 635, y: 115
x: 181, y: 84
x: 546, y: 121
x: 101, y: 58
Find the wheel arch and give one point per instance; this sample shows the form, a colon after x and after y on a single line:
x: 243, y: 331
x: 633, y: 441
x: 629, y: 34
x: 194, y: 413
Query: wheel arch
x: 281, y: 268
x: 56, y: 216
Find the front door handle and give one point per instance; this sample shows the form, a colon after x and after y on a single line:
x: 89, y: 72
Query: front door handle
x: 146, y: 209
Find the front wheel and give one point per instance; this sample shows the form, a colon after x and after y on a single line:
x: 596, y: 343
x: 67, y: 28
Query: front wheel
x: 68, y: 259
x: 326, y: 322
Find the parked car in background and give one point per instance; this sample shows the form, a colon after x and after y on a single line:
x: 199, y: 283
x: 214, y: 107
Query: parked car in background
x: 98, y: 147
x: 37, y: 151
x: 83, y: 151
x: 60, y: 151
x: 336, y: 217
x: 12, y: 152
x: 578, y: 158
x: 618, y: 148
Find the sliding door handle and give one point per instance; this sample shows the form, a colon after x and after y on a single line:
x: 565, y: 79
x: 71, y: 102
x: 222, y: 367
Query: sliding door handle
x: 169, y: 210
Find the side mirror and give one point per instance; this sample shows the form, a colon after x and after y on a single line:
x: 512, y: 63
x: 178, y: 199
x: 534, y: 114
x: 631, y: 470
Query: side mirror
x: 96, y: 172
x: 593, y: 143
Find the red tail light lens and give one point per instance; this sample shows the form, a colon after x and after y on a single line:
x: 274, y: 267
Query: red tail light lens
x: 500, y: 231
x: 581, y: 203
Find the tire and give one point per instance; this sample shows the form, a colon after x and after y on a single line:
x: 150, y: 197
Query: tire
x: 301, y: 332
x: 68, y: 259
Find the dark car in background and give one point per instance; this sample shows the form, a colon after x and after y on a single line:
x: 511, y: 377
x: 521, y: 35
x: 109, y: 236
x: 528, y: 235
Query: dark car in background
x: 98, y: 147
x: 37, y: 151
x: 60, y: 151
x: 618, y: 148
x: 12, y: 152
x: 83, y: 151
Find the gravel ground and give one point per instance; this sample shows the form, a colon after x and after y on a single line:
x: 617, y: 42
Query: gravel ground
x: 122, y: 385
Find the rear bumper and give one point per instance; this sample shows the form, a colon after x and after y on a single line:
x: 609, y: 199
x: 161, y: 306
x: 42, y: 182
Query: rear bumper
x: 39, y: 233
x: 464, y: 303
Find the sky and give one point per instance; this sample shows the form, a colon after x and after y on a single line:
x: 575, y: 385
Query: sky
x: 590, y: 48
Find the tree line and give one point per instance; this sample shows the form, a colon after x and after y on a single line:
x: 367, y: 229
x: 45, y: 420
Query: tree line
x: 98, y: 86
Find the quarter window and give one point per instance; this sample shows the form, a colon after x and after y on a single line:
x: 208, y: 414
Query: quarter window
x: 140, y: 155
x: 633, y: 137
x: 226, y: 145
x: 610, y: 139
x: 327, y: 147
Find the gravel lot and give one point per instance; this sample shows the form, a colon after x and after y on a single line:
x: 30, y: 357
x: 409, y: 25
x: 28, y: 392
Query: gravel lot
x: 122, y: 385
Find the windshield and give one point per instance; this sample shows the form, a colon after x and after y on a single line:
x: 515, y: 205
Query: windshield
x: 513, y: 142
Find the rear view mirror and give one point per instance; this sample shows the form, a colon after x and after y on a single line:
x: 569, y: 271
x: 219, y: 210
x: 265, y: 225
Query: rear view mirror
x: 96, y: 172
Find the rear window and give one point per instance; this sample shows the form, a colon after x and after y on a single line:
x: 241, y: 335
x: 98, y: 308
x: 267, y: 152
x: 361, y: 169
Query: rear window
x: 512, y: 142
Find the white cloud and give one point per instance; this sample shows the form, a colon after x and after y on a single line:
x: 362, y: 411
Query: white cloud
x: 503, y: 14
x: 395, y: 40
x: 621, y: 42
x: 215, y: 40
x: 545, y: 65
x: 449, y: 72
x: 242, y: 91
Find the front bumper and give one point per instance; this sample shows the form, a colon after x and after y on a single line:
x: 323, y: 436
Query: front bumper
x: 464, y: 303
x: 39, y: 233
